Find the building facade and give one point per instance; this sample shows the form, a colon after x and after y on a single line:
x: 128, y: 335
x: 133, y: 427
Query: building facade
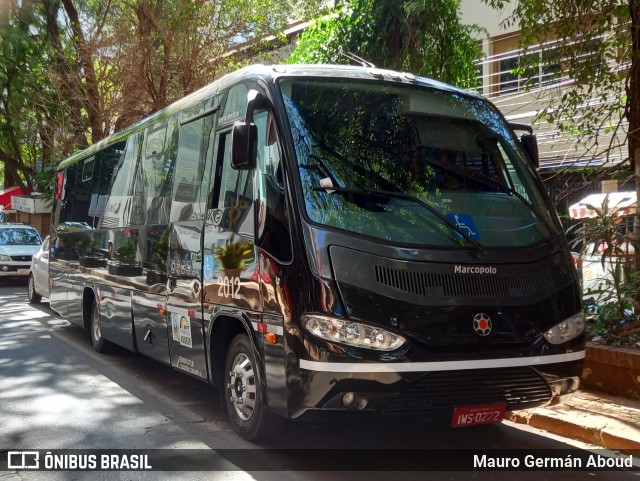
x: 569, y: 167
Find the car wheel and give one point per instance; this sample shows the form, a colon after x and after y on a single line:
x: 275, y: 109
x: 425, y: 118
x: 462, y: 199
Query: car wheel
x: 243, y: 394
x: 34, y: 297
x: 99, y: 343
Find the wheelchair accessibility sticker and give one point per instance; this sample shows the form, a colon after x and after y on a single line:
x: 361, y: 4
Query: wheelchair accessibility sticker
x: 466, y: 224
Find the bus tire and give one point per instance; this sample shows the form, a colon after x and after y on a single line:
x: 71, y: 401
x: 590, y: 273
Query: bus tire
x: 99, y: 343
x: 34, y: 297
x: 243, y: 396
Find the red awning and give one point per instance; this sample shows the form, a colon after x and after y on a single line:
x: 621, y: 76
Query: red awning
x: 619, y: 203
x: 6, y: 194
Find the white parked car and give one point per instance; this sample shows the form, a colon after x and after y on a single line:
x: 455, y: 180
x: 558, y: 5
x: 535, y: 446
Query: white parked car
x: 38, y: 285
x: 18, y: 243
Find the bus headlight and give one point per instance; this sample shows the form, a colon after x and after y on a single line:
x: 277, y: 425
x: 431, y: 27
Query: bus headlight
x: 351, y: 333
x: 566, y: 330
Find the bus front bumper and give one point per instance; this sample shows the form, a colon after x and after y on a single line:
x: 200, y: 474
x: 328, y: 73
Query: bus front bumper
x: 422, y: 389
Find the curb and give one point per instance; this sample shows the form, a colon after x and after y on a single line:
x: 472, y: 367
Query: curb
x: 590, y: 417
x: 590, y: 435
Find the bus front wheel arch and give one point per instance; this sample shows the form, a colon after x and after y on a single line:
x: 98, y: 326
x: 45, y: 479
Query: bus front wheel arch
x: 243, y: 396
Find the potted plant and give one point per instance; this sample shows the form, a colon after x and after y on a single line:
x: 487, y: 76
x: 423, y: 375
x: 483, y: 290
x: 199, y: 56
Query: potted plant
x: 89, y: 253
x: 125, y: 261
x: 157, y: 273
x: 235, y: 257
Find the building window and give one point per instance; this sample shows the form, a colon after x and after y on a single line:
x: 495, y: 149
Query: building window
x: 518, y: 72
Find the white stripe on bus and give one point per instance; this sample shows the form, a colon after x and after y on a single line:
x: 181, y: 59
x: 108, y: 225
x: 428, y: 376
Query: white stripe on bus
x: 439, y: 366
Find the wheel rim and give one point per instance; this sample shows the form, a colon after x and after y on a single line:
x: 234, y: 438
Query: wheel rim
x: 95, y: 324
x: 242, y: 385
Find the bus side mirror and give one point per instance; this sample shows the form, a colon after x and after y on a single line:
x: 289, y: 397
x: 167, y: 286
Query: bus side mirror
x: 529, y: 142
x: 244, y: 137
x: 530, y: 145
x: 244, y: 146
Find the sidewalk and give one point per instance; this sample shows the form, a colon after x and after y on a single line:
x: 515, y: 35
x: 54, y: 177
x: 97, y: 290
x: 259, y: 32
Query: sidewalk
x: 593, y: 417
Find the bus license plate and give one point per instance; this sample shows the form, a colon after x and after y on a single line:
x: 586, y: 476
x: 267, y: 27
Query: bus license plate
x: 474, y: 415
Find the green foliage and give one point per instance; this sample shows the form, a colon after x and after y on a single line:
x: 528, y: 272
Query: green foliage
x: 126, y: 253
x: 24, y: 83
x: 161, y: 250
x: 420, y: 36
x: 235, y: 256
x: 44, y: 181
x: 86, y: 243
x: 73, y: 72
x: 616, y: 292
x: 615, y: 299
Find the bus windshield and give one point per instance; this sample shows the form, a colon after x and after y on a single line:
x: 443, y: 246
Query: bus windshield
x: 413, y: 165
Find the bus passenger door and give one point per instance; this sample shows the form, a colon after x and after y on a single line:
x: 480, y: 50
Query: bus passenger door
x: 189, y: 196
x: 230, y: 268
x: 230, y: 254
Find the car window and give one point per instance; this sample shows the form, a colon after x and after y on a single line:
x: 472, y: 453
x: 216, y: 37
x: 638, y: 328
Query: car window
x: 19, y: 236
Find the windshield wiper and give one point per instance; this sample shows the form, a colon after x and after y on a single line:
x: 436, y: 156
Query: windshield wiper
x: 509, y: 190
x: 477, y: 247
x: 489, y: 182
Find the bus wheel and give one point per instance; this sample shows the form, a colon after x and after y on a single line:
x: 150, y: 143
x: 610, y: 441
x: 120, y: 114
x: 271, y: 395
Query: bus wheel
x: 34, y: 297
x: 99, y: 343
x: 243, y: 395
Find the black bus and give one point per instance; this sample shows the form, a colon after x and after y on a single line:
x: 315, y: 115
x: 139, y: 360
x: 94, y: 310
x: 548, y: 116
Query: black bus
x: 320, y: 240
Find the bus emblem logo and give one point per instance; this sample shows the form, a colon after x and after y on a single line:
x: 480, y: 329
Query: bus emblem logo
x: 482, y: 324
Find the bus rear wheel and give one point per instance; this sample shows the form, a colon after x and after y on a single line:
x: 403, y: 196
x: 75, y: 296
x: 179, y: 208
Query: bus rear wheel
x: 99, y: 343
x: 243, y: 394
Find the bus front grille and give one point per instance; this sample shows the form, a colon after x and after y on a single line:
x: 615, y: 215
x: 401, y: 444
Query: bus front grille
x: 519, y: 388
x: 434, y: 284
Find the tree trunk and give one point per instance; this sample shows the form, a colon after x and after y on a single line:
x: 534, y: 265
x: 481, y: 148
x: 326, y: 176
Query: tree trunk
x: 12, y: 168
x: 633, y: 113
x: 70, y: 80
x: 86, y: 69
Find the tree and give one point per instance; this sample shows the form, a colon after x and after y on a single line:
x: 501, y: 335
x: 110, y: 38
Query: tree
x: 597, y: 46
x: 76, y: 48
x: 172, y: 47
x: 592, y: 45
x: 24, y: 125
x: 424, y: 37
x: 75, y: 71
x: 49, y: 87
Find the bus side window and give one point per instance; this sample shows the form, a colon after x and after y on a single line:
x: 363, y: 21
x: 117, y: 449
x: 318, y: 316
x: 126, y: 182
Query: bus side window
x: 117, y: 211
x: 190, y: 177
x: 273, y: 218
x: 156, y: 167
x: 86, y: 185
x: 236, y: 192
x: 107, y: 163
x: 66, y: 209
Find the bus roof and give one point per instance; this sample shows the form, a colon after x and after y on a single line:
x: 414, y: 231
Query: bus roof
x: 269, y: 73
